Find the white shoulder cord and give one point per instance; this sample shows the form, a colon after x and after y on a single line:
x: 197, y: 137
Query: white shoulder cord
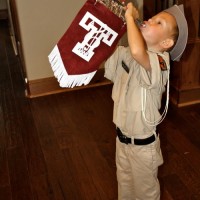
x: 143, y: 99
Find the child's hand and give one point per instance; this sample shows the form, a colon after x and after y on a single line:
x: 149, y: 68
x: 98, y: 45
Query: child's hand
x: 131, y: 11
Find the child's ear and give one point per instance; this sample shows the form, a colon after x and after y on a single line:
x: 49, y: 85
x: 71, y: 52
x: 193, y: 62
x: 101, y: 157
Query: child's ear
x: 167, y: 43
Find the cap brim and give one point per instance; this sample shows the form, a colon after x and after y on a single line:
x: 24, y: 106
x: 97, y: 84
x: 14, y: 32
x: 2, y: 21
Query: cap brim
x: 178, y: 49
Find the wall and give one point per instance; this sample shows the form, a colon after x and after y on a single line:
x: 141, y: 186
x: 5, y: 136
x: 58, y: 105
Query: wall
x: 41, y: 24
x: 3, y: 4
x: 3, y: 10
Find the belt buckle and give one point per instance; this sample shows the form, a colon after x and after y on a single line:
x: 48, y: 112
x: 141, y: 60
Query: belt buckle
x: 126, y: 140
x: 123, y: 138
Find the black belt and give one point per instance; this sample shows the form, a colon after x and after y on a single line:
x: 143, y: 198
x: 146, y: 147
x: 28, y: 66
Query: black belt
x: 127, y: 140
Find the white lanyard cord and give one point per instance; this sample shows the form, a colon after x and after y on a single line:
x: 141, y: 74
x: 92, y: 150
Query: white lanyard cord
x: 143, y: 99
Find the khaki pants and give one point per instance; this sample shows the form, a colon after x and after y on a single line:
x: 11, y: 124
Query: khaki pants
x: 137, y: 168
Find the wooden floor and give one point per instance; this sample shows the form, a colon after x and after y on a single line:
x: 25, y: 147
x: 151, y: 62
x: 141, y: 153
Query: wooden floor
x: 62, y: 147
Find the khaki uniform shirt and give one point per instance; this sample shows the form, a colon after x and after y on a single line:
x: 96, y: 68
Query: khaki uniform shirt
x: 127, y: 91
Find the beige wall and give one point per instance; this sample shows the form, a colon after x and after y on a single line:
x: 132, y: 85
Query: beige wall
x: 3, y: 4
x: 42, y: 23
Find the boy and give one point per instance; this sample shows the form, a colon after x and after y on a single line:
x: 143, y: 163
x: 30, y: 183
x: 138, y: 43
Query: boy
x: 139, y: 73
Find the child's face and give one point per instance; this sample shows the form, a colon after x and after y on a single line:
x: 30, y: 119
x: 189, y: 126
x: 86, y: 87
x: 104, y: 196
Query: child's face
x: 158, y: 29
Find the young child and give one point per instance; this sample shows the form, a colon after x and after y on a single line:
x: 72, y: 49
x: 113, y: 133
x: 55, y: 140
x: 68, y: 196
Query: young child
x: 140, y: 73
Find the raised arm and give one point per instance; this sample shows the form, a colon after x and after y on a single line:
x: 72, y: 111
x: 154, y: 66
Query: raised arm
x: 136, y: 41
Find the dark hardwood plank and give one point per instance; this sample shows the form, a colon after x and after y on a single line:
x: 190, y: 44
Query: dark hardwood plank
x: 5, y: 193
x: 176, y: 193
x: 80, y: 137
x: 14, y: 155
x: 5, y: 190
x: 100, y: 170
x: 62, y: 180
x: 77, y: 165
x: 4, y: 172
x: 18, y: 128
x: 182, y: 156
x: 19, y: 178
